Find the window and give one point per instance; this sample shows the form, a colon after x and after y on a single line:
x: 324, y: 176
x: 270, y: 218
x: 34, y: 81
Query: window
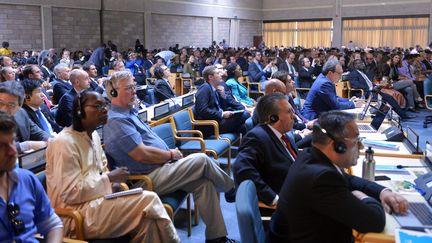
x: 294, y: 33
x: 392, y: 32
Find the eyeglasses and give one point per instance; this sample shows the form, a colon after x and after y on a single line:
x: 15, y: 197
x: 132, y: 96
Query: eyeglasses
x: 9, y: 105
x: 13, y: 211
x: 100, y: 107
x: 130, y: 87
x: 355, y: 140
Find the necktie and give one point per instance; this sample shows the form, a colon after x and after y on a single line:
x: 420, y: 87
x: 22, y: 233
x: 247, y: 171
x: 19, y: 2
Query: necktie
x: 46, y: 101
x: 42, y: 121
x: 288, y: 145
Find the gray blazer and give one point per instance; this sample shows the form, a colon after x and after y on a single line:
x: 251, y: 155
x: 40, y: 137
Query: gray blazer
x: 27, y: 130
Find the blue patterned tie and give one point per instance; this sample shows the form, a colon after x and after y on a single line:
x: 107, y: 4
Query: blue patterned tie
x: 42, y: 121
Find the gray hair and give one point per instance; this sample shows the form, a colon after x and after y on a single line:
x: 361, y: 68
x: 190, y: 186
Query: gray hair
x: 60, y: 67
x: 330, y: 65
x: 209, y: 70
x: 115, y: 79
x: 13, y: 88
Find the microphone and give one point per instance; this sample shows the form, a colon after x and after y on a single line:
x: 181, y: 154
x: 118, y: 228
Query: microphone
x: 413, y: 166
x: 176, y: 106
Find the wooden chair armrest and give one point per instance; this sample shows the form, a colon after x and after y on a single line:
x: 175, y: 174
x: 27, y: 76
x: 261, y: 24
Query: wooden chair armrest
x: 148, y: 181
x: 124, y: 186
x: 213, y: 123
x: 76, y: 216
x: 202, y: 144
x: 196, y: 132
x: 255, y: 83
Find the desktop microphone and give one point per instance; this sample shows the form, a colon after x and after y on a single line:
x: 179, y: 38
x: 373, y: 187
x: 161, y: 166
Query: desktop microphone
x: 176, y: 106
x: 413, y: 166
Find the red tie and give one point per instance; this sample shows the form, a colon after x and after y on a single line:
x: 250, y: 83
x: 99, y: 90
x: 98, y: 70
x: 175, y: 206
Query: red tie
x: 288, y: 145
x: 47, y: 101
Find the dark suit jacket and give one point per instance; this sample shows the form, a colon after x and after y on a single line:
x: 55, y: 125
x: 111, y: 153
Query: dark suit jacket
x: 305, y: 77
x: 163, y: 91
x: 316, y: 204
x: 227, y: 100
x: 255, y: 74
x: 322, y: 97
x: 95, y: 87
x: 47, y: 113
x: 59, y: 89
x: 283, y: 66
x: 206, y: 107
x: 263, y: 159
x: 358, y: 82
x: 27, y: 130
x: 47, y: 74
x: 64, y: 112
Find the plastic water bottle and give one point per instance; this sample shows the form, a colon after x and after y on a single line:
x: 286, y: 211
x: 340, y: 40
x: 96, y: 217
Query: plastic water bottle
x: 369, y: 165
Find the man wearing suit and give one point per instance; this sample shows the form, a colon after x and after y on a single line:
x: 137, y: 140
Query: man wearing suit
x: 266, y: 153
x: 162, y: 88
x: 37, y: 111
x: 28, y: 135
x: 322, y: 95
x: 61, y: 84
x: 288, y: 66
x: 319, y: 202
x: 358, y: 79
x: 46, y: 69
x: 207, y: 106
x: 80, y: 81
x: 91, y: 70
x: 257, y: 72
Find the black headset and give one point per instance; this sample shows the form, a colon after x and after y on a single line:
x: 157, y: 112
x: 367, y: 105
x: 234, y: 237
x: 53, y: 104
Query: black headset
x: 338, y: 146
x: 79, y: 111
x: 113, y: 91
x: 274, y: 118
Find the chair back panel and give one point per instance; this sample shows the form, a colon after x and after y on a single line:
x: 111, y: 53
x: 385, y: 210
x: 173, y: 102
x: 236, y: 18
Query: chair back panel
x: 164, y: 131
x: 248, y: 214
x: 183, y: 122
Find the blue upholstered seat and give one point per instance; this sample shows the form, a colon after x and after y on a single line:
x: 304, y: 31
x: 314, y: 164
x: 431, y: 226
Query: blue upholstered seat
x: 248, y: 214
x: 164, y: 131
x: 219, y: 146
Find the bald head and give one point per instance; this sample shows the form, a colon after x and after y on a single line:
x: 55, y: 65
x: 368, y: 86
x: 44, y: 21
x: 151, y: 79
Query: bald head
x: 274, y: 85
x: 79, y: 79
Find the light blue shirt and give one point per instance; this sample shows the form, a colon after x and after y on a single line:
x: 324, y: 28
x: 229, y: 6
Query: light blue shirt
x: 123, y: 132
x: 35, y: 208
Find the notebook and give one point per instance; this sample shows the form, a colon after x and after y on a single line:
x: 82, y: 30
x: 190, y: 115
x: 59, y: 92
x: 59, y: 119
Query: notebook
x: 377, y: 121
x: 124, y: 193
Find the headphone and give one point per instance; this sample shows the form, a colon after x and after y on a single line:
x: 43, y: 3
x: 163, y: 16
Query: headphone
x: 274, y: 118
x: 338, y: 146
x: 79, y: 112
x: 113, y: 91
